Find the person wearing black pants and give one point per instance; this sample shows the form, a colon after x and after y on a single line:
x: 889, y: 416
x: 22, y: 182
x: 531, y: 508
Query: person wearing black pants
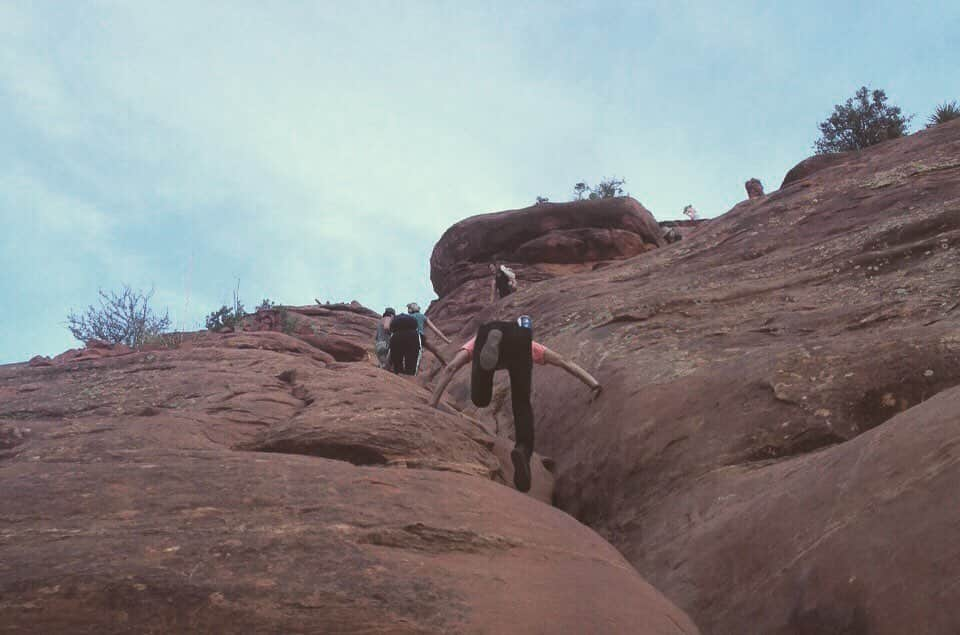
x: 404, y: 344
x: 506, y: 346
x: 509, y: 346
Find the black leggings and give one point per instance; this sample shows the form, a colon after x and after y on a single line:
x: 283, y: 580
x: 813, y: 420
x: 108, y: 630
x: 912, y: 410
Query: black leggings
x: 517, y: 358
x: 405, y: 351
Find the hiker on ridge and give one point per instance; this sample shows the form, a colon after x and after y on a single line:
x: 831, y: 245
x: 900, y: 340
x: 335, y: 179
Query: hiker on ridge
x: 510, y: 346
x: 423, y: 321
x: 504, y: 281
x: 404, y: 344
x: 381, y: 342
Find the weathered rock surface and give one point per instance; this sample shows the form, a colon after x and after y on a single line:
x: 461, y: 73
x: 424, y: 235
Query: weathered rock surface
x: 539, y: 243
x: 248, y: 482
x: 814, y: 164
x: 772, y: 448
x: 754, y: 188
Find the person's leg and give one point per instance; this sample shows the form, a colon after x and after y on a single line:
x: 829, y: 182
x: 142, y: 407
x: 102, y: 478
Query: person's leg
x: 481, y: 379
x: 519, y: 362
x: 520, y: 366
x: 412, y: 359
x: 396, y: 352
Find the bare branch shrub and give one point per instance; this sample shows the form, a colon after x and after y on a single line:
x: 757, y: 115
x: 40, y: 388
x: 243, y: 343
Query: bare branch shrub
x: 123, y: 317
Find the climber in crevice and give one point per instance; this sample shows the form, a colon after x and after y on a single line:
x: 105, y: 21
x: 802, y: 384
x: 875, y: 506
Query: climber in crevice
x: 509, y: 346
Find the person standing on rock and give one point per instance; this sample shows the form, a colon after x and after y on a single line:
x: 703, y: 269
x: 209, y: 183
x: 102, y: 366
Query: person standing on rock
x: 404, y: 344
x: 504, y: 281
x: 381, y: 342
x: 509, y: 346
x: 423, y: 321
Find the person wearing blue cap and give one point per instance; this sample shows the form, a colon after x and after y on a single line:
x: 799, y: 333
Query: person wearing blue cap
x: 509, y: 346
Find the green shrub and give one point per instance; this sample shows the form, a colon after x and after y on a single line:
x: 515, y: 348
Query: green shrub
x: 607, y: 188
x: 227, y: 316
x: 947, y: 111
x: 864, y: 120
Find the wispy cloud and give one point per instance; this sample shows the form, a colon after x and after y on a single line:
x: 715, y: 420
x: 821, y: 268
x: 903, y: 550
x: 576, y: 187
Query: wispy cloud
x: 320, y: 149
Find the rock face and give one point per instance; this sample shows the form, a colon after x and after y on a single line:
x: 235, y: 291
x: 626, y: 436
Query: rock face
x: 777, y: 447
x: 754, y: 188
x: 539, y: 243
x: 249, y: 482
x: 814, y: 164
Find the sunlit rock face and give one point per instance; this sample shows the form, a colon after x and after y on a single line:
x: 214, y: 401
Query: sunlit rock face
x: 777, y: 447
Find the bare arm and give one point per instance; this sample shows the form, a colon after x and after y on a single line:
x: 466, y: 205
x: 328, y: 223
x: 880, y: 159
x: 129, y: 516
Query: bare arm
x: 461, y: 359
x: 556, y: 359
x: 493, y: 290
x: 434, y: 328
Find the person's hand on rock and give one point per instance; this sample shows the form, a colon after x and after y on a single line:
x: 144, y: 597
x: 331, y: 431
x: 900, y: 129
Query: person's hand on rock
x: 595, y: 392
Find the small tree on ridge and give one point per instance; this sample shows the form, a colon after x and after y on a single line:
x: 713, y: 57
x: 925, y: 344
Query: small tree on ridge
x: 864, y: 120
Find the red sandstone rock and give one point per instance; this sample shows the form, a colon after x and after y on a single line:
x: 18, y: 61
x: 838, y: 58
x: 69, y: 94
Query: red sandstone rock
x: 772, y: 448
x: 754, y: 188
x: 238, y: 483
x: 539, y: 243
x: 815, y: 164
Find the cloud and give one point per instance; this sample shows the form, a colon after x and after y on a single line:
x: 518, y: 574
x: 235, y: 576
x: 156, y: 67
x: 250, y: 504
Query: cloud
x: 321, y: 149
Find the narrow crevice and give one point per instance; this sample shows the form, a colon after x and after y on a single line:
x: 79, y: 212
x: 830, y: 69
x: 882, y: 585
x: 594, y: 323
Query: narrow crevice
x: 359, y: 455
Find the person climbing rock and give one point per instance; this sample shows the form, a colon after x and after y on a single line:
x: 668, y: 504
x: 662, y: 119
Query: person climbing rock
x: 404, y: 344
x: 510, y: 346
x: 504, y: 281
x: 423, y: 321
x: 381, y: 343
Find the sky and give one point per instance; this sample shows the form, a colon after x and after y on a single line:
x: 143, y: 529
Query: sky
x: 304, y: 150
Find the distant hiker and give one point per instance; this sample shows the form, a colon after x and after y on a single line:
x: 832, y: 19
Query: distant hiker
x: 422, y: 320
x: 382, y: 340
x: 510, y: 346
x: 404, y: 344
x: 504, y: 281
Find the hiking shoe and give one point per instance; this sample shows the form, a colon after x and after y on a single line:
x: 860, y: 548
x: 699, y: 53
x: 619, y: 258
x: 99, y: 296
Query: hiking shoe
x: 490, y: 353
x: 521, y: 469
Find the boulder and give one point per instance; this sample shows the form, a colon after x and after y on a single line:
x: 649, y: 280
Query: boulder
x: 814, y: 164
x: 754, y: 189
x: 539, y: 242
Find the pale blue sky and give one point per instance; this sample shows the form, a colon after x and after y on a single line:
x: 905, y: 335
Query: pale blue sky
x: 320, y: 149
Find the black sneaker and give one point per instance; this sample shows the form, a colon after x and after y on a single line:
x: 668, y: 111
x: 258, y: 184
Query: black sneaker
x: 521, y: 469
x: 490, y: 353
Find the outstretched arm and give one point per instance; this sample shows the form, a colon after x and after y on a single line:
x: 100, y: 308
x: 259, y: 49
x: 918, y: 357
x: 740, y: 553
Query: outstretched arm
x: 459, y: 361
x: 556, y: 359
x: 434, y: 328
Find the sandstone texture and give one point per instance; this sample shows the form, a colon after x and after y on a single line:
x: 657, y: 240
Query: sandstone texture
x: 777, y: 447
x: 539, y: 243
x: 754, y: 188
x: 249, y: 482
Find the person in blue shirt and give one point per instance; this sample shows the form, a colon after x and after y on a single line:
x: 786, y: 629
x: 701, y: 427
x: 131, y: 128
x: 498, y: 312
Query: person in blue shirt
x: 423, y: 321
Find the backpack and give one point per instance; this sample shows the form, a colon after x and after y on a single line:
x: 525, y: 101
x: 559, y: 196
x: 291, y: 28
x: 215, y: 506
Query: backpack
x: 403, y: 322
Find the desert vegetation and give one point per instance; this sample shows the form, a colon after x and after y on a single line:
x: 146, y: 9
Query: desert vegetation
x: 864, y: 120
x: 121, y: 317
